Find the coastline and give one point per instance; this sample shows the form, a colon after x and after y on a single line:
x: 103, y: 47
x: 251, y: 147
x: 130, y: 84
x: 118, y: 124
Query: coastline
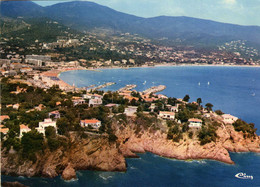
x: 99, y: 69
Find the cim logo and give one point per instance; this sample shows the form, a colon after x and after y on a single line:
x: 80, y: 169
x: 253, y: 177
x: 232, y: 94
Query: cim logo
x: 243, y: 176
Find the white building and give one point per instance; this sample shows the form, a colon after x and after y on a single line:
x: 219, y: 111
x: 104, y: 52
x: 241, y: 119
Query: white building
x: 227, y: 118
x: 94, y: 123
x: 130, y: 110
x: 24, y: 129
x: 46, y: 123
x: 78, y: 101
x: 92, y: 96
x: 174, y: 108
x: 95, y: 102
x: 167, y: 115
x: 195, y: 123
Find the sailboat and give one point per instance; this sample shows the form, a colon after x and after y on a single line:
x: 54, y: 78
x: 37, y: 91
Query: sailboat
x: 144, y: 82
x: 199, y: 83
x: 208, y: 83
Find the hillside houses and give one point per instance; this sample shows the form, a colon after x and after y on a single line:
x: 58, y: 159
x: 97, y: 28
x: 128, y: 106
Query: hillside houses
x: 228, y: 118
x: 195, y: 123
x: 24, y: 129
x: 167, y: 115
x: 46, y: 123
x: 93, y: 123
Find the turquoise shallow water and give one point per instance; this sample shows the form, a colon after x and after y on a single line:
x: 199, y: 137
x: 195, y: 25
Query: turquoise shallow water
x: 234, y: 90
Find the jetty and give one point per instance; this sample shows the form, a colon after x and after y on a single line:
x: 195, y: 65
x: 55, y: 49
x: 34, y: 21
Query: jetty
x: 127, y: 87
x: 104, y: 85
x: 154, y: 89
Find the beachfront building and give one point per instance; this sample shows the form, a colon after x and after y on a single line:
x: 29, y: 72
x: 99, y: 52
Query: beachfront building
x: 54, y: 114
x: 130, y: 110
x: 24, y: 129
x: 227, y: 118
x: 46, y: 123
x: 167, y: 115
x: 94, y: 123
x: 195, y: 123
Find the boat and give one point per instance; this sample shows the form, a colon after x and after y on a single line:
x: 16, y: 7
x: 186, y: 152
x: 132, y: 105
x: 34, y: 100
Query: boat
x: 199, y: 83
x: 144, y: 83
x: 208, y: 83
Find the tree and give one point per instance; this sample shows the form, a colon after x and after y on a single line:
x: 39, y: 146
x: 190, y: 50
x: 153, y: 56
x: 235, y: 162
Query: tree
x: 186, y: 98
x: 219, y: 112
x: 50, y: 132
x: 209, y: 106
x: 62, y: 125
x: 199, y: 101
x: 31, y: 143
x: 121, y: 108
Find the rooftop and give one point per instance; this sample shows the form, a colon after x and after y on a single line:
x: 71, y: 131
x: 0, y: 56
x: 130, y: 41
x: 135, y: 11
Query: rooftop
x: 90, y: 121
x: 195, y: 120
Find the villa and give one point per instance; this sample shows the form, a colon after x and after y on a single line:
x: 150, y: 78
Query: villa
x: 24, y: 129
x: 95, y: 102
x: 46, y: 123
x: 78, y: 101
x: 2, y: 118
x: 55, y: 114
x: 94, y: 123
x: 167, y: 115
x: 3, y: 130
x: 130, y: 110
x: 227, y: 118
x: 195, y: 123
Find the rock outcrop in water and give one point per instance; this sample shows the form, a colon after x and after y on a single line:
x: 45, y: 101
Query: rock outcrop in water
x: 97, y: 153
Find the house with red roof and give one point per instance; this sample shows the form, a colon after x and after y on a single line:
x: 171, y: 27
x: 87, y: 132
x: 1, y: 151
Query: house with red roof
x: 195, y: 123
x: 3, y: 129
x: 94, y: 123
x: 55, y: 114
x: 4, y: 117
x: 24, y: 129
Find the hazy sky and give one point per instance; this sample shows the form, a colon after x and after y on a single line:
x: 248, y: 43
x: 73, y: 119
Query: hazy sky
x: 243, y: 12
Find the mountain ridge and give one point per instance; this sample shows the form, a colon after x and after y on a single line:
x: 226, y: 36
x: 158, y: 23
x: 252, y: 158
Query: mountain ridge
x: 85, y: 15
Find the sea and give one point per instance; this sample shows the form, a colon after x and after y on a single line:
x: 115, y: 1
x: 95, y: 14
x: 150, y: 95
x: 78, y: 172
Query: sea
x: 234, y: 90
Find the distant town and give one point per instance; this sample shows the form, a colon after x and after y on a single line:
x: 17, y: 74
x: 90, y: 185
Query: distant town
x: 72, y: 49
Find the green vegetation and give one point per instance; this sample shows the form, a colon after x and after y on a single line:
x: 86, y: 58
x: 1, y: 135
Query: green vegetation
x: 186, y: 98
x: 219, y: 112
x: 31, y: 143
x: 207, y: 134
x: 209, y: 106
x: 248, y: 129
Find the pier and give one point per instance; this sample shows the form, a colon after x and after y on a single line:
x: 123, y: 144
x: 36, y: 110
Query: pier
x: 154, y: 89
x: 127, y: 87
x: 104, y: 85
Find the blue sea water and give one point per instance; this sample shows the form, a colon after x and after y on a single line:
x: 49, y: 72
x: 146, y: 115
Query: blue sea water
x: 234, y: 90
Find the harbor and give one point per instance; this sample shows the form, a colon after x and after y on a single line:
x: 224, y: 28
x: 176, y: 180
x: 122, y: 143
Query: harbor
x: 103, y: 85
x: 127, y: 87
x: 154, y: 89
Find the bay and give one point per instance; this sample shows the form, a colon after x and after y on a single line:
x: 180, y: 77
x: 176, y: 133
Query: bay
x: 234, y: 90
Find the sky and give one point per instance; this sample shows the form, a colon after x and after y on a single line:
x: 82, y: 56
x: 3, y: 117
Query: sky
x: 242, y: 12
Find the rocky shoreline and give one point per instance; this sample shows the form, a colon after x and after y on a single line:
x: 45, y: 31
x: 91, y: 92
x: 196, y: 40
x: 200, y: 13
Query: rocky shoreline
x: 97, y: 153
